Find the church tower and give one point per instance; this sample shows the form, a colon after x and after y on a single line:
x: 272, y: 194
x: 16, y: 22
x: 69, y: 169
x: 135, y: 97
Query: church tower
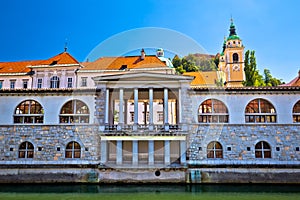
x: 232, y: 59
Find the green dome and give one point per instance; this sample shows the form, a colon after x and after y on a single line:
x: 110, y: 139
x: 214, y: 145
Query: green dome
x: 233, y: 37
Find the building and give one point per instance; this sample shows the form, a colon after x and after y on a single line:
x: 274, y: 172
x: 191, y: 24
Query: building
x: 132, y: 119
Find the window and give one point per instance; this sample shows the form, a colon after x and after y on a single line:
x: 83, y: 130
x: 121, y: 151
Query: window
x: 160, y: 116
x: 260, y: 111
x: 214, y: 150
x: 12, y: 84
x: 74, y: 111
x: 296, y: 112
x: 54, y: 82
x: 131, y: 116
x: 26, y: 150
x: 25, y: 84
x: 29, y: 111
x: 39, y: 83
x: 235, y: 57
x: 1, y: 84
x: 73, y: 150
x: 212, y: 111
x: 262, y: 150
x: 70, y: 82
x: 83, y: 81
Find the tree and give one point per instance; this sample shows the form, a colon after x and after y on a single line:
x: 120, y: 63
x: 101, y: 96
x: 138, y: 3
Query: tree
x: 253, y: 78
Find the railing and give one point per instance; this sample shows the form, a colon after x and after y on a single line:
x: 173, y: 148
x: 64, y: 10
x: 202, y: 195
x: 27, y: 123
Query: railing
x: 143, y: 129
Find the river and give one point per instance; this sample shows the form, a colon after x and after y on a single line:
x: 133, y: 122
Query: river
x: 149, y: 192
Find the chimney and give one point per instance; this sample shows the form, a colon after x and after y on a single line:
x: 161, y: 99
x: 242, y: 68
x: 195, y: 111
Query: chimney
x: 143, y: 54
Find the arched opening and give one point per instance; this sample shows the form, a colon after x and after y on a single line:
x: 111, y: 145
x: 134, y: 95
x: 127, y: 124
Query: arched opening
x: 296, y: 112
x: 212, y: 111
x: 235, y: 57
x: 262, y: 150
x: 260, y: 111
x: 74, y: 111
x: 73, y: 150
x: 214, y: 150
x: 54, y: 82
x: 29, y: 112
x: 26, y: 150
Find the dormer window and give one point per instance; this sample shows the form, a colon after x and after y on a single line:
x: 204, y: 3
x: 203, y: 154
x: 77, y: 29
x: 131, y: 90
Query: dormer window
x: 123, y: 67
x: 54, y: 62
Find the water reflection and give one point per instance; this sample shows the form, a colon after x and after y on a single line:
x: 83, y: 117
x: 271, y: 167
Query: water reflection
x: 157, y: 188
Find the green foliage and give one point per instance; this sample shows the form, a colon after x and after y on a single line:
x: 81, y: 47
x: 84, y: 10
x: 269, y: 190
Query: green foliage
x: 193, y: 63
x: 253, y: 78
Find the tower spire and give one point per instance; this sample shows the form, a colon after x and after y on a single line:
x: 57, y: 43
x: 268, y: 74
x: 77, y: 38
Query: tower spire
x: 232, y: 31
x: 66, y: 46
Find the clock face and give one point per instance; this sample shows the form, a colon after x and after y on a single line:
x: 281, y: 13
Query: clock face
x: 236, y: 68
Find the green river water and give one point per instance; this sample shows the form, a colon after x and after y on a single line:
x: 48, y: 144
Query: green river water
x: 150, y: 192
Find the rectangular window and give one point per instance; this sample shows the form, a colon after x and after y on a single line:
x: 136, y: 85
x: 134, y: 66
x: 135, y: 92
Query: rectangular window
x: 1, y: 84
x: 131, y: 116
x: 12, y: 84
x: 83, y: 81
x: 39, y: 83
x: 160, y: 116
x: 70, y: 82
x: 25, y: 83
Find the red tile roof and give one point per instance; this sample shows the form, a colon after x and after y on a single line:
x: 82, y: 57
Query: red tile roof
x: 128, y: 62
x: 60, y: 59
x: 294, y: 82
x: 203, y: 78
x: 17, y: 67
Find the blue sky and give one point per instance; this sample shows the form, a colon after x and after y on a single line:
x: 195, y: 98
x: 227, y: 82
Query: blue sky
x: 38, y: 29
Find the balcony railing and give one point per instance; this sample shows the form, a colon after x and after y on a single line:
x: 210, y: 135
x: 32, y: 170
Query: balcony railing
x: 143, y: 129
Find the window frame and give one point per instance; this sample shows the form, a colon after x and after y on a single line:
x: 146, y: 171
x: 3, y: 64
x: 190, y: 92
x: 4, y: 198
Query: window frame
x: 54, y: 82
x: 39, y: 83
x: 211, y: 116
x: 74, y: 115
x: 257, y: 115
x: 83, y: 81
x: 69, y: 83
x: 214, y: 152
x: 264, y: 151
x: 296, y: 112
x: 12, y: 84
x: 26, y: 153
x: 73, y: 153
x: 23, y: 112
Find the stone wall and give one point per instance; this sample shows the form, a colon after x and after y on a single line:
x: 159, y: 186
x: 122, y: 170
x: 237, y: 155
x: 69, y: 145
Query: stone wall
x: 238, y: 143
x: 49, y: 143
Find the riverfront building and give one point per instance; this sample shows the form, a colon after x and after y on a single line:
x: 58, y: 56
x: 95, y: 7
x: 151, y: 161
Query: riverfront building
x: 133, y: 119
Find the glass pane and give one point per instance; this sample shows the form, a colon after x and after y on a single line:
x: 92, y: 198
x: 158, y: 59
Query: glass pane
x: 210, y: 154
x: 296, y: 108
x: 21, y: 154
x: 67, y: 108
x: 258, y: 154
x: 23, y: 145
x: 219, y: 154
x: 218, y: 145
x: 68, y: 154
x: 266, y: 145
x: 258, y: 146
x: 267, y: 154
x: 69, y: 145
x: 29, y: 154
x: 77, y: 154
x: 29, y: 145
x: 76, y: 145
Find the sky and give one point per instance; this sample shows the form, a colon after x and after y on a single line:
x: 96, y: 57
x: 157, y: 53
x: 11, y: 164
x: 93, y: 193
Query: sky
x: 36, y: 29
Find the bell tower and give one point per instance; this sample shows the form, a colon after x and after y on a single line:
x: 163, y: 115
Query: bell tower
x: 232, y: 59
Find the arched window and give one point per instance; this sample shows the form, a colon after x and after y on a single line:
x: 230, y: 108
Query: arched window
x: 26, y: 150
x: 73, y: 150
x: 54, y: 82
x: 296, y: 112
x: 29, y: 111
x: 235, y: 57
x: 74, y: 111
x: 262, y: 150
x: 212, y: 111
x: 214, y: 150
x: 260, y: 111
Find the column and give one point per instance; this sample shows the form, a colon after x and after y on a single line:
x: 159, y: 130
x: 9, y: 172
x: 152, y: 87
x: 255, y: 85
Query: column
x: 106, y: 118
x: 121, y: 111
x: 126, y: 111
x: 151, y: 109
x: 136, y: 109
x: 167, y: 152
x: 103, y: 151
x: 179, y: 107
x: 166, y: 110
x: 182, y: 151
x: 119, y: 152
x: 63, y: 79
x: 135, y: 152
x: 151, y: 152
